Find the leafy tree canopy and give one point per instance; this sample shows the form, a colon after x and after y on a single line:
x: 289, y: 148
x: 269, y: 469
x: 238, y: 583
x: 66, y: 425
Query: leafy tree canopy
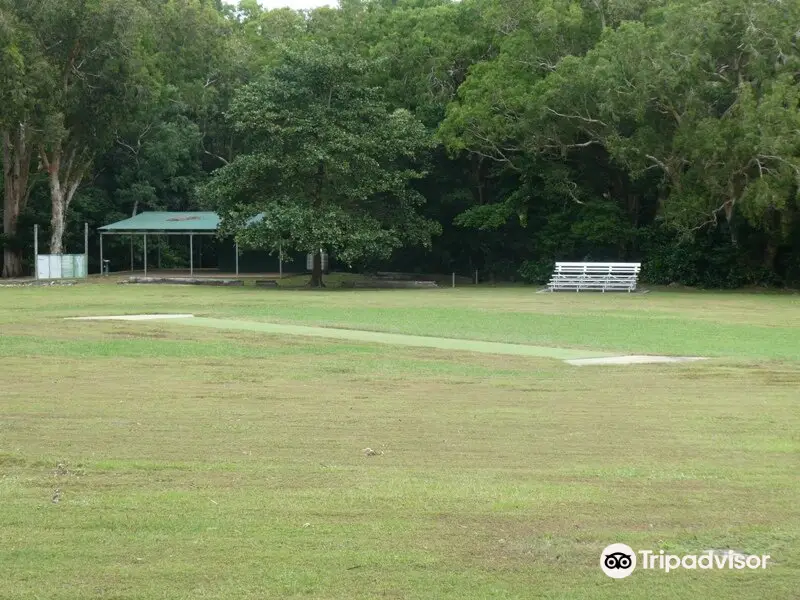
x: 330, y: 165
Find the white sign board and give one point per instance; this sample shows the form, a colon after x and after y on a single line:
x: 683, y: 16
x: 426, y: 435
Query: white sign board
x: 61, y: 266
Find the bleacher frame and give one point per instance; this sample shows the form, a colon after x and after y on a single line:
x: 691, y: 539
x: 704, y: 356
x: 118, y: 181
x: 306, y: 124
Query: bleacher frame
x: 600, y: 277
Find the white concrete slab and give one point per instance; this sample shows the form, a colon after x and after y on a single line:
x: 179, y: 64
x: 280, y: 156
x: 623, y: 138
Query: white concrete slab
x: 632, y: 360
x: 130, y: 318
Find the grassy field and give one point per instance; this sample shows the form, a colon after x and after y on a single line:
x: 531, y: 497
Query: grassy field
x: 206, y: 463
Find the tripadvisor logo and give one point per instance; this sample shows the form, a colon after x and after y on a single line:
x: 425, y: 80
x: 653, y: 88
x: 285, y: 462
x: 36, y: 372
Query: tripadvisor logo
x: 619, y: 560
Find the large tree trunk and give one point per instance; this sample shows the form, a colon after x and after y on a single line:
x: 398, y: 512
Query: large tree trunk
x: 770, y: 253
x: 57, y: 223
x: 16, y: 172
x: 316, y: 271
x: 64, y: 180
x: 12, y: 261
x: 773, y: 220
x: 735, y: 189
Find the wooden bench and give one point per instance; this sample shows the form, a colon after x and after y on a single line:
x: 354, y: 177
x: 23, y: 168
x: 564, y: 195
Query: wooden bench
x: 603, y: 277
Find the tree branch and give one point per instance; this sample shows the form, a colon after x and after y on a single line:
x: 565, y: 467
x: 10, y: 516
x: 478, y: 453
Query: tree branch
x: 714, y: 220
x: 499, y: 157
x: 217, y: 156
x: 572, y: 146
x: 68, y: 166
x: 579, y: 117
x: 790, y: 164
x: 72, y: 187
x: 73, y: 53
x: 133, y: 150
x: 45, y: 161
x: 571, y: 186
x: 659, y: 163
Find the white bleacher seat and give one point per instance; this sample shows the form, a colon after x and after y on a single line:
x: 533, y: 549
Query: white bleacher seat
x: 601, y: 277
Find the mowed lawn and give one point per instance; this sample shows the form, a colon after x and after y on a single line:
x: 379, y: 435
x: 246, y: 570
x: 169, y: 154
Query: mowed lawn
x: 194, y: 463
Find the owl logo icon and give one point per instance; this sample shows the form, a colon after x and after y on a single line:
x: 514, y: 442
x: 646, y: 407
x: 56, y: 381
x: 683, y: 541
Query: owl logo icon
x: 618, y: 561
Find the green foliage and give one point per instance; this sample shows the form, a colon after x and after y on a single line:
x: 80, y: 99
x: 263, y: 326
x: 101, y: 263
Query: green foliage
x: 698, y: 100
x: 486, y: 216
x: 92, y: 67
x: 536, y: 272
x: 166, y: 163
x: 330, y: 164
x: 709, y: 260
x: 535, y: 130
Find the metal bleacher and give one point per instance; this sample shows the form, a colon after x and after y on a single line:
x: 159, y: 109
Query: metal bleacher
x: 599, y: 277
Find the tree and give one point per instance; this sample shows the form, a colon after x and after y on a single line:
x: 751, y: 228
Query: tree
x: 201, y: 61
x: 20, y: 65
x: 695, y: 100
x: 706, y: 95
x: 92, y: 75
x: 330, y: 166
x: 526, y: 188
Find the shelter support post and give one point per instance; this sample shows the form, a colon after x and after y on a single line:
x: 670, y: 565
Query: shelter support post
x: 236, y: 248
x: 160, y: 241
x: 131, y: 253
x: 191, y: 254
x: 102, y: 265
x: 86, y: 247
x: 36, y: 251
x: 145, y: 254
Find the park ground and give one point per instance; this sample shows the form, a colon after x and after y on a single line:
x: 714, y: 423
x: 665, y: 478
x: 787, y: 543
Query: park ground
x: 151, y: 460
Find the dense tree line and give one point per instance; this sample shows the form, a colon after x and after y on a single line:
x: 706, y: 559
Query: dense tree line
x: 422, y: 135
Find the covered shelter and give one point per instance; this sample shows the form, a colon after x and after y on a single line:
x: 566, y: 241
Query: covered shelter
x: 152, y: 224
x: 188, y: 224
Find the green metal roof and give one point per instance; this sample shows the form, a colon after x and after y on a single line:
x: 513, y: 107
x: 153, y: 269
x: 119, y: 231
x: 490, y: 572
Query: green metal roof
x: 166, y: 221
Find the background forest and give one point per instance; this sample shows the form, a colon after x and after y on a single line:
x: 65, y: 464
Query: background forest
x: 438, y: 136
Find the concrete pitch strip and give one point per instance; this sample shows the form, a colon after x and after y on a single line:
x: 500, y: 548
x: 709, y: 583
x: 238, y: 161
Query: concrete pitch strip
x: 570, y: 356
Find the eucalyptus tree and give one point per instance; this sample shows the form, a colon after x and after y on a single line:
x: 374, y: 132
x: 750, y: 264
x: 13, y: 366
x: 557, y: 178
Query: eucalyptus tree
x: 89, y: 75
x: 20, y: 64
